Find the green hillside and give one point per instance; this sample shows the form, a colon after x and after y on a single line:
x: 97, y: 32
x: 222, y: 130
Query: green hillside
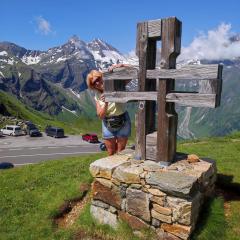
x: 71, y: 123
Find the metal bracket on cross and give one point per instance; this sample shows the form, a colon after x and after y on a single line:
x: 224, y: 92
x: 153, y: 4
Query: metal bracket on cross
x: 157, y: 85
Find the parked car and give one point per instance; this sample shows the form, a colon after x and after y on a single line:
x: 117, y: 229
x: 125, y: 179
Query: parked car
x: 32, y: 130
x: 11, y: 130
x: 1, y: 133
x: 90, y: 137
x: 54, y: 132
x: 6, y: 165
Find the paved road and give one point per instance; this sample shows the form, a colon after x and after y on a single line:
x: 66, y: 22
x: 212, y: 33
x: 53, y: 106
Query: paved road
x: 25, y: 150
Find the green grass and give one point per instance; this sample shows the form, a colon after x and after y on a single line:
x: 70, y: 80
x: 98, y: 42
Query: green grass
x: 212, y: 222
x: 216, y: 223
x: 31, y: 195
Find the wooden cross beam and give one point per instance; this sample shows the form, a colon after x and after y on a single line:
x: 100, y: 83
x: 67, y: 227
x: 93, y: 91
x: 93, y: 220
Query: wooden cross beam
x: 157, y: 85
x: 212, y: 73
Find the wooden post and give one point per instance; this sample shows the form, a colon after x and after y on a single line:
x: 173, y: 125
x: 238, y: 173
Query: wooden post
x: 167, y: 117
x: 146, y: 51
x: 141, y: 52
x: 151, y: 86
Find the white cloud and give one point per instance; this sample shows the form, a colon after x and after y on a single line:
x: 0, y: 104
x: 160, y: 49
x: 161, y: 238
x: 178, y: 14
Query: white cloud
x: 213, y: 45
x: 43, y: 26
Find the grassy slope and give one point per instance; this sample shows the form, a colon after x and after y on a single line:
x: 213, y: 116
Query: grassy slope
x: 66, y: 120
x: 30, y: 195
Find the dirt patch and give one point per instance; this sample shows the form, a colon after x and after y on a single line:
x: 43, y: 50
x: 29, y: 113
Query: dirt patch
x: 193, y: 143
x: 83, y: 235
x: 235, y: 140
x: 228, y: 195
x: 70, y: 210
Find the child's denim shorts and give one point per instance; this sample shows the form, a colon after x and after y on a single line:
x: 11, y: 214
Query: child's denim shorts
x: 125, y: 131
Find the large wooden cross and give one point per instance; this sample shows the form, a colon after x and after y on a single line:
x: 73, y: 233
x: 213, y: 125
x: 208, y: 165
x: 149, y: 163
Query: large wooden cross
x: 156, y: 85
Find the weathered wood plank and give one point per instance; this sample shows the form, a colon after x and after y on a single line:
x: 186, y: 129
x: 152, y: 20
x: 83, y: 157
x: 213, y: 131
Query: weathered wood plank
x: 217, y: 86
x: 151, y: 152
x: 123, y: 73
x: 188, y: 72
x: 124, y: 97
x: 109, y: 85
x: 141, y: 52
x: 114, y: 85
x: 151, y: 146
x: 154, y: 29
x: 151, y: 142
x: 167, y: 117
x: 182, y: 98
x: 150, y: 85
x: 192, y: 99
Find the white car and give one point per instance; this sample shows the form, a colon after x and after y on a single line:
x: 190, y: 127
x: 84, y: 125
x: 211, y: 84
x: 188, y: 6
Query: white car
x: 12, y: 130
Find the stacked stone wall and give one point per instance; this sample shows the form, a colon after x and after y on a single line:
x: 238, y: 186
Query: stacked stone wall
x: 146, y: 195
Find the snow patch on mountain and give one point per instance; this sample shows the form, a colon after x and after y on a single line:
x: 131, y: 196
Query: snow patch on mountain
x: 31, y: 59
x: 9, y: 61
x: 79, y: 48
x: 108, y: 56
x: 3, y: 53
x: 71, y: 111
x: 1, y: 74
x: 61, y: 59
x: 75, y: 93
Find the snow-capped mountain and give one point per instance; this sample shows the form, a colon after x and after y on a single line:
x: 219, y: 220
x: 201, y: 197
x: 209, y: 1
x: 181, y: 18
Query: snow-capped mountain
x: 34, y: 76
x: 74, y: 48
x: 104, y: 54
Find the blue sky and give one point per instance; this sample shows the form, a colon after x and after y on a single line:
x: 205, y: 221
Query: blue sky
x: 41, y: 24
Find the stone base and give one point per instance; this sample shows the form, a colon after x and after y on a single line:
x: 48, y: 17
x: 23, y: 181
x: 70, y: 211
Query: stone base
x: 146, y: 195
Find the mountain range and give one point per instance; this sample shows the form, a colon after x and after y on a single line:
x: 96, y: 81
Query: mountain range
x: 53, y: 81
